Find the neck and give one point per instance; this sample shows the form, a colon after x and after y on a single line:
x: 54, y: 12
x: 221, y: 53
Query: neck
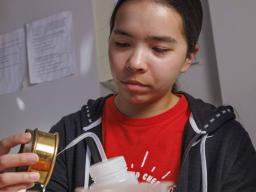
x: 146, y: 109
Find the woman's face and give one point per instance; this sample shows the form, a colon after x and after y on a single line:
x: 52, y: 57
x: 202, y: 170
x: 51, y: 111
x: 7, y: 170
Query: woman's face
x: 147, y: 51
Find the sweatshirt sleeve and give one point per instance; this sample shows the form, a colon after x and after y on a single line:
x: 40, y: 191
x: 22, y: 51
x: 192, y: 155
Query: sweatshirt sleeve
x: 241, y: 176
x: 59, y: 181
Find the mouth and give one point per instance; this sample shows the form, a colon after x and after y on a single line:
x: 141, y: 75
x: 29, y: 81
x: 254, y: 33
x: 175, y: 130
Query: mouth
x: 133, y: 85
x: 132, y: 82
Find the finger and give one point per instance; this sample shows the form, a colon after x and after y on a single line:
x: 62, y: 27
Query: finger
x: 9, y: 142
x: 16, y: 160
x: 18, y: 188
x: 14, y: 178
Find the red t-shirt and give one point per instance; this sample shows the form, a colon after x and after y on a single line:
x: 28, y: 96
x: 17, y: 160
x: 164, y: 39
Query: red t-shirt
x: 151, y: 146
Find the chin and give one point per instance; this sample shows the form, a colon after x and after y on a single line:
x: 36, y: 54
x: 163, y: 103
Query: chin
x: 139, y: 99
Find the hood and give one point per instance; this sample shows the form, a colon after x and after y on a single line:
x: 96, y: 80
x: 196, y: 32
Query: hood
x: 208, y: 117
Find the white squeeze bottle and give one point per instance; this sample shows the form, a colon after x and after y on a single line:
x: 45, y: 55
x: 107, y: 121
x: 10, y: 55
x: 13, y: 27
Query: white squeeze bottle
x: 111, y: 175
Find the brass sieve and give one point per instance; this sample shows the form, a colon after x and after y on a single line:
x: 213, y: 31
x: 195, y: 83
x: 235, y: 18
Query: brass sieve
x: 45, y: 145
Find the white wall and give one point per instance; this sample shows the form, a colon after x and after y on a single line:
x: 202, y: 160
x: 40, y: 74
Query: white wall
x: 46, y: 103
x: 234, y: 30
x: 102, y: 12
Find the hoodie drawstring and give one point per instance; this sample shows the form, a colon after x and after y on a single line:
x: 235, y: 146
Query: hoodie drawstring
x: 88, y: 155
x: 202, y: 152
x: 86, y: 168
x: 204, y: 164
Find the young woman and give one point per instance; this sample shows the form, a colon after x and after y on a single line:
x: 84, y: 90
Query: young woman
x: 164, y: 135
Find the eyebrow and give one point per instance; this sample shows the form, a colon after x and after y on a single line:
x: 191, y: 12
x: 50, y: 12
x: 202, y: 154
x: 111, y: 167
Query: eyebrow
x: 121, y: 32
x: 166, y: 39
x: 154, y: 38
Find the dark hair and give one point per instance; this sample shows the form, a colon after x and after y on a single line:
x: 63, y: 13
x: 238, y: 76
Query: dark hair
x: 190, y: 11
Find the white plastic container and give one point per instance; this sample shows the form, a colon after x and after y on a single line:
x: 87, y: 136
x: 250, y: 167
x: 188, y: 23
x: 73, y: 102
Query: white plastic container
x: 112, y: 176
x: 110, y: 173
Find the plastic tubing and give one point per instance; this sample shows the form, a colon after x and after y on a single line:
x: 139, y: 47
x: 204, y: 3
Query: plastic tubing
x: 84, y: 136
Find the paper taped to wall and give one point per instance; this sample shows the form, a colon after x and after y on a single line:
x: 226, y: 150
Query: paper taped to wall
x: 50, y: 48
x: 12, y: 61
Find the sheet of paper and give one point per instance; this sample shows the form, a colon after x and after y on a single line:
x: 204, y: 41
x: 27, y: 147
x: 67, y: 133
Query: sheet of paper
x: 50, y: 48
x: 12, y: 61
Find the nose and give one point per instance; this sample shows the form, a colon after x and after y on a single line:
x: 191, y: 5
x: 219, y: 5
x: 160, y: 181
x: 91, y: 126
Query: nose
x: 137, y: 61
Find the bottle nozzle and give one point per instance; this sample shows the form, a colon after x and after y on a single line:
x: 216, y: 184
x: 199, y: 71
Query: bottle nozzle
x: 94, y: 143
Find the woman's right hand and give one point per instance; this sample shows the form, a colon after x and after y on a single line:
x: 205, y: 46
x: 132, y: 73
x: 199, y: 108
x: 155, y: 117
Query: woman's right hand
x: 9, y: 179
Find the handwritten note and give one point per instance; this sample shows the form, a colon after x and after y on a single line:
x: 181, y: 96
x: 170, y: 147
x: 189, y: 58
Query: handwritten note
x: 50, y: 48
x: 12, y: 61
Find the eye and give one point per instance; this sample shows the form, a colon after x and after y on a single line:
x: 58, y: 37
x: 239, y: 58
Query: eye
x: 121, y: 44
x: 161, y: 50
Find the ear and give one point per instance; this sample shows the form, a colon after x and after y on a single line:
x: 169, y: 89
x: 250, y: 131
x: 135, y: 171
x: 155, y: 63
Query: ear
x: 190, y: 59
